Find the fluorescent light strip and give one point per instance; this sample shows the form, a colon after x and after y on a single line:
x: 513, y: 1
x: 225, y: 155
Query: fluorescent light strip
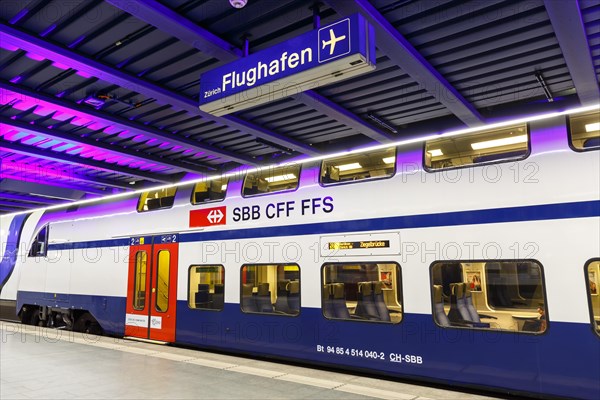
x: 400, y: 143
x: 499, y: 142
x: 348, y: 167
x: 435, y: 152
x: 389, y: 160
x: 592, y: 127
x: 279, y: 178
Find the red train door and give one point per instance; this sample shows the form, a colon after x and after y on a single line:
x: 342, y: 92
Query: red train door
x: 152, y: 288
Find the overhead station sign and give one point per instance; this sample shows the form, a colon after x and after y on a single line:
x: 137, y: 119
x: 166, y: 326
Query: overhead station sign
x: 335, y: 52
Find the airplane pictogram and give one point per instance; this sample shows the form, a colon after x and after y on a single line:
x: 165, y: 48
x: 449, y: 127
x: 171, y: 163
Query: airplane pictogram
x: 332, y: 41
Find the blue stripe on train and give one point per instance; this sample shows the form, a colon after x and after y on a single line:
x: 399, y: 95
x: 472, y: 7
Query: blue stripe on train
x: 584, y: 209
x: 9, y: 258
x: 563, y: 362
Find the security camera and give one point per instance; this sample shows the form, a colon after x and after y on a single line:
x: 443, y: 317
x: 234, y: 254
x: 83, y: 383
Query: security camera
x: 238, y: 3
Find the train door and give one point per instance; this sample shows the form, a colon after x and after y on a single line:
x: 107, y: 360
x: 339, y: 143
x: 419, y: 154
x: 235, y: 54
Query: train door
x: 152, y: 288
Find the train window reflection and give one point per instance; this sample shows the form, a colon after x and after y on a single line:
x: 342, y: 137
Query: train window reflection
x: 357, y: 167
x: 584, y: 131
x: 209, y: 191
x: 271, y: 180
x: 499, y: 295
x: 362, y: 292
x: 206, y: 288
x: 509, y: 143
x: 157, y: 199
x: 271, y: 289
x: 39, y: 246
x: 593, y: 273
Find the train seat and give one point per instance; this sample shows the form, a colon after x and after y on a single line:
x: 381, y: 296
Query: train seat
x: 200, y: 197
x: 382, y: 309
x: 263, y: 298
x: 327, y: 299
x: 592, y: 142
x: 248, y: 299
x: 294, y: 296
x: 281, y: 303
x: 219, y: 296
x: 153, y: 204
x: 340, y: 309
x: 365, y: 306
x: 167, y: 202
x: 440, y: 314
x: 202, y: 296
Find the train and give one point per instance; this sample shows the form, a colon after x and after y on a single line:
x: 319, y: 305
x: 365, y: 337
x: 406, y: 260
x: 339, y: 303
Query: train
x: 468, y: 258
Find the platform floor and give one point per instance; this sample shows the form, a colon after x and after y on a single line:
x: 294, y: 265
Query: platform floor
x: 40, y: 363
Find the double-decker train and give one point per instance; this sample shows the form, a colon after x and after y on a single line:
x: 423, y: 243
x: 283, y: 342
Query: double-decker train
x: 469, y: 258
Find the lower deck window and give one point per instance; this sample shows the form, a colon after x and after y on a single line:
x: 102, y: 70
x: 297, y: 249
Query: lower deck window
x: 206, y: 290
x: 593, y: 271
x: 362, y: 292
x: 271, y: 289
x: 500, y: 295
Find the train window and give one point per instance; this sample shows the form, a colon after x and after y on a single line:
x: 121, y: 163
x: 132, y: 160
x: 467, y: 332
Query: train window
x: 584, y: 131
x: 162, y: 280
x: 271, y: 180
x: 362, y: 292
x: 376, y: 164
x: 271, y: 289
x: 502, y: 144
x: 209, y: 191
x: 206, y: 288
x: 139, y: 289
x: 39, y: 247
x: 499, y: 295
x: 157, y: 199
x: 593, y: 272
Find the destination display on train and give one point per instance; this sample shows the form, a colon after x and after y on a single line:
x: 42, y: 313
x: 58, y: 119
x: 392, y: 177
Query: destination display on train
x: 369, y: 244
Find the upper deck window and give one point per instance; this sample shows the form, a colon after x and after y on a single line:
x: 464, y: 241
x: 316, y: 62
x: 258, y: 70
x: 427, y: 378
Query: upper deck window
x: 376, y: 164
x: 209, y: 191
x: 584, y: 131
x: 271, y: 180
x: 157, y: 199
x: 503, y: 144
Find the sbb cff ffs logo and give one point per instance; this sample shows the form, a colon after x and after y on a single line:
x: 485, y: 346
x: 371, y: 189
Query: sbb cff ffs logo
x: 208, y: 217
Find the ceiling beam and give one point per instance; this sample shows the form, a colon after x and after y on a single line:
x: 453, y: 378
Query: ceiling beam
x: 138, y: 156
x: 125, y: 123
x: 169, y: 21
x: 61, y: 54
x: 15, y: 205
x: 29, y: 199
x: 64, y: 158
x: 403, y: 54
x: 57, y: 190
x: 569, y: 28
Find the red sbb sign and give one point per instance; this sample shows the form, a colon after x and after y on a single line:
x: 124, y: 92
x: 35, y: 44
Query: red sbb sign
x: 208, y: 217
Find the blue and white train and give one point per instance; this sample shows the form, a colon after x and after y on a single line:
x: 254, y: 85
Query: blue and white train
x: 469, y: 258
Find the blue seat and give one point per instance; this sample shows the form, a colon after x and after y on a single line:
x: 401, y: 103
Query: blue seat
x: 592, y: 142
x: 438, y: 303
x: 248, y: 299
x: 382, y: 309
x: 218, y: 298
x: 281, y: 303
x: 340, y: 309
x: 327, y: 301
x: 294, y: 296
x: 365, y: 305
x: 202, y: 296
x: 263, y: 298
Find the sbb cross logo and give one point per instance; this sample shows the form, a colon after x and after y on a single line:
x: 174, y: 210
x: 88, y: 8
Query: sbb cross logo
x: 208, y: 217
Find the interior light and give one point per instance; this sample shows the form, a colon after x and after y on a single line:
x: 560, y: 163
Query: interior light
x: 389, y: 160
x: 279, y: 178
x: 224, y: 187
x: 348, y: 167
x: 499, y: 142
x: 592, y: 127
x: 435, y: 152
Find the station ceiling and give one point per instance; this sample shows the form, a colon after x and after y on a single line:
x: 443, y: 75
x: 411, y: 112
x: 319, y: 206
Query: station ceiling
x: 100, y: 97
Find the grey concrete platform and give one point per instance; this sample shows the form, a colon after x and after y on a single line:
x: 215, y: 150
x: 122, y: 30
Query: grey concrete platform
x: 40, y: 363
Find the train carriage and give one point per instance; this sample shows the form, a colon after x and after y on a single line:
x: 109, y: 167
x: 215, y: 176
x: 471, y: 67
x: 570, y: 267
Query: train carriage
x: 469, y: 258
